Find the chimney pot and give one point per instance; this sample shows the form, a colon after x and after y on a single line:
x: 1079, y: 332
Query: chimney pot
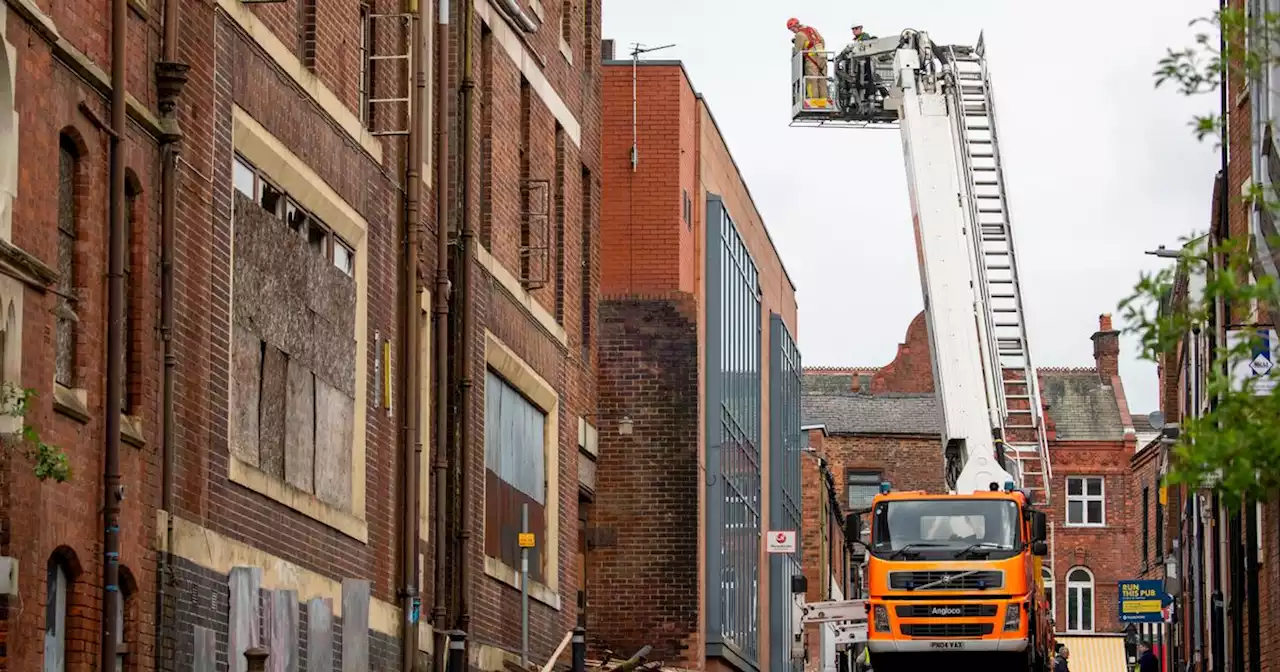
x: 1104, y: 322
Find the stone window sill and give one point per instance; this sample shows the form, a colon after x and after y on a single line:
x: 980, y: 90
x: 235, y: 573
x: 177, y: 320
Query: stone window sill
x: 131, y: 431
x: 71, y: 403
x: 499, y: 570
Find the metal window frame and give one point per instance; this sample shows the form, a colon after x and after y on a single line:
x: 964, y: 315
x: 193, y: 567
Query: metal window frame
x: 786, y: 499
x: 734, y: 518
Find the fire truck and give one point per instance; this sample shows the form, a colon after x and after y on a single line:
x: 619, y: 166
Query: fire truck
x: 954, y: 574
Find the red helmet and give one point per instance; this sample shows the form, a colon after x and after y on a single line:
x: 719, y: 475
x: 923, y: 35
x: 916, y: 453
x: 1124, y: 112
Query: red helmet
x: 793, y: 23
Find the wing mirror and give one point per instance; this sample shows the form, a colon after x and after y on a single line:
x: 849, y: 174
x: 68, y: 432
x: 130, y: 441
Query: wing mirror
x: 1039, y: 548
x: 1039, y: 526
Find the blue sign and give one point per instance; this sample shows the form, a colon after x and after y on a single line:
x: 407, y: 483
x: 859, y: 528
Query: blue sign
x: 1142, y: 601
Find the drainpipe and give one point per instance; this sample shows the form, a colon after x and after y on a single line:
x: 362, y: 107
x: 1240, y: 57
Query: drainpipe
x: 467, y: 353
x: 513, y: 9
x: 170, y: 77
x: 441, y: 332
x: 410, y: 595
x: 112, y: 493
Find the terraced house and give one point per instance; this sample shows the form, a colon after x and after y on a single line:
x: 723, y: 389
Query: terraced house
x: 305, y: 231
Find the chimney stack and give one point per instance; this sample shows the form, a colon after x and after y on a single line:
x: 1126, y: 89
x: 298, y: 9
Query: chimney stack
x: 1106, y: 349
x: 606, y: 50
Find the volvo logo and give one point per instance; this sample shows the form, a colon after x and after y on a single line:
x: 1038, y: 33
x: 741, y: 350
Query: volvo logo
x: 944, y: 611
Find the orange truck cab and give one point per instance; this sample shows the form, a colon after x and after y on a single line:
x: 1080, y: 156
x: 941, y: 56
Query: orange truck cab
x: 955, y: 579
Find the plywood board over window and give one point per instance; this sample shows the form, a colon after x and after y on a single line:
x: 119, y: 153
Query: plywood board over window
x: 298, y: 335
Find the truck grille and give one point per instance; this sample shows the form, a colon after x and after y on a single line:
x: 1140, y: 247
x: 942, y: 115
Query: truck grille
x: 965, y: 580
x: 947, y: 630
x: 946, y: 610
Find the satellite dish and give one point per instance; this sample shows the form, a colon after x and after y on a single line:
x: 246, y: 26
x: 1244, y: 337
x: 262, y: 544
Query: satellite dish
x: 1156, y: 418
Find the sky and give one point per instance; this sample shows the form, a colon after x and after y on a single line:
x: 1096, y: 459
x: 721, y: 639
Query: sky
x: 1100, y: 165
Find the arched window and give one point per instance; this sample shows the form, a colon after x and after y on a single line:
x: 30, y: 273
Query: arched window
x: 1046, y: 577
x: 55, y: 616
x: 65, y: 334
x: 1079, y: 600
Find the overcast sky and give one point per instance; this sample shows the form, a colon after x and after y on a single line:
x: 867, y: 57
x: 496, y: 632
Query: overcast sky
x: 1100, y: 165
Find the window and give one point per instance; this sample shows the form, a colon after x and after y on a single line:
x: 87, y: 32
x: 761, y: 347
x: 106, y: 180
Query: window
x: 131, y: 193
x: 1046, y: 577
x: 1085, y: 501
x: 585, y: 282
x: 1160, y: 528
x: 55, y: 617
x: 65, y: 336
x: 1079, y: 600
x: 323, y: 241
x: 1146, y: 526
x: 366, y: 64
x: 862, y: 487
x: 515, y: 473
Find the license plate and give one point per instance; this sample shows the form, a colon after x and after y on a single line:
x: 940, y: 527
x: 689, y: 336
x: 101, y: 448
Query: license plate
x: 946, y: 645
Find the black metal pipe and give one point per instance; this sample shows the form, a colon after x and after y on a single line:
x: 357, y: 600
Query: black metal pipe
x: 112, y: 493
x: 1251, y: 576
x: 579, y: 660
x: 457, y: 651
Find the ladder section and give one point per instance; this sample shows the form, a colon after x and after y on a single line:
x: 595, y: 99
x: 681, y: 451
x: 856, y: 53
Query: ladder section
x: 1018, y: 388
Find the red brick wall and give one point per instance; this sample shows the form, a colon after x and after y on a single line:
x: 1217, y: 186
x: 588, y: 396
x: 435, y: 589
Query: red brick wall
x: 907, y: 462
x: 642, y: 223
x: 644, y: 571
x: 227, y: 68
x: 912, y: 368
x: 1106, y: 551
x: 38, y: 519
x: 496, y: 207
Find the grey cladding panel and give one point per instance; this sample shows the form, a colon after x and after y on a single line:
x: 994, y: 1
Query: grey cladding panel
x: 283, y: 641
x: 320, y: 635
x: 355, y: 625
x: 242, y: 623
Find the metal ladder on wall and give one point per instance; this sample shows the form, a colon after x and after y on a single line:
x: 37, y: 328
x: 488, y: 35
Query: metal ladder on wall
x: 1019, y: 390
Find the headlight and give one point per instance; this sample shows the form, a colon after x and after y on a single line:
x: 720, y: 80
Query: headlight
x: 882, y: 618
x: 1012, y: 617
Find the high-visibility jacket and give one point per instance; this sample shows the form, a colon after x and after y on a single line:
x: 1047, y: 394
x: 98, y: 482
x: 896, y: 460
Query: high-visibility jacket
x: 812, y: 42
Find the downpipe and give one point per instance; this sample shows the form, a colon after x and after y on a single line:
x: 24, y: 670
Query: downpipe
x: 170, y: 76
x: 466, y: 305
x: 411, y: 442
x: 112, y: 492
x: 440, y: 335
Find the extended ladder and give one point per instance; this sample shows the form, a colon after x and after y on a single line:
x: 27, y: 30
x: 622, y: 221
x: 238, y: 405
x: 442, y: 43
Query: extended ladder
x: 1018, y: 393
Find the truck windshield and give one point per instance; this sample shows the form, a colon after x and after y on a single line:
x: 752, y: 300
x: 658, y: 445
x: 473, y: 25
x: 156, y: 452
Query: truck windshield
x: 945, y: 528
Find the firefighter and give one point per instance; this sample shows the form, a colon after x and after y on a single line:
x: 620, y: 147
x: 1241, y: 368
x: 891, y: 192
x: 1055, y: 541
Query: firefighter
x: 859, y: 36
x: 809, y: 42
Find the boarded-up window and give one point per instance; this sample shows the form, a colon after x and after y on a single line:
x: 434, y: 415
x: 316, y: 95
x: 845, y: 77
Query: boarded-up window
x: 515, y: 473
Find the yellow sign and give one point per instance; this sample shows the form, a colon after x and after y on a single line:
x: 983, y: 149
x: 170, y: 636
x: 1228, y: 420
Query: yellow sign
x: 526, y: 540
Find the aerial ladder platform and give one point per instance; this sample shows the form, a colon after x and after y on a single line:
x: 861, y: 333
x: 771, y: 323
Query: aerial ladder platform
x: 940, y: 99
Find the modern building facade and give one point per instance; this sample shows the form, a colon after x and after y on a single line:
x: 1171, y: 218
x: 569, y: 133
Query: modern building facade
x: 265, y: 498
x: 699, y: 393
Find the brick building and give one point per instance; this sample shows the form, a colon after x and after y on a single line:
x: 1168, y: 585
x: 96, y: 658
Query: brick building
x: 287, y: 338
x: 699, y: 393
x: 884, y: 424
x: 830, y: 569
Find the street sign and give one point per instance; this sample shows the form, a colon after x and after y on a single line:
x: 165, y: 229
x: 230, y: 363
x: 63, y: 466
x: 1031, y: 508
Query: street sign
x: 1262, y: 367
x: 526, y: 540
x: 782, y: 541
x: 1143, y: 601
